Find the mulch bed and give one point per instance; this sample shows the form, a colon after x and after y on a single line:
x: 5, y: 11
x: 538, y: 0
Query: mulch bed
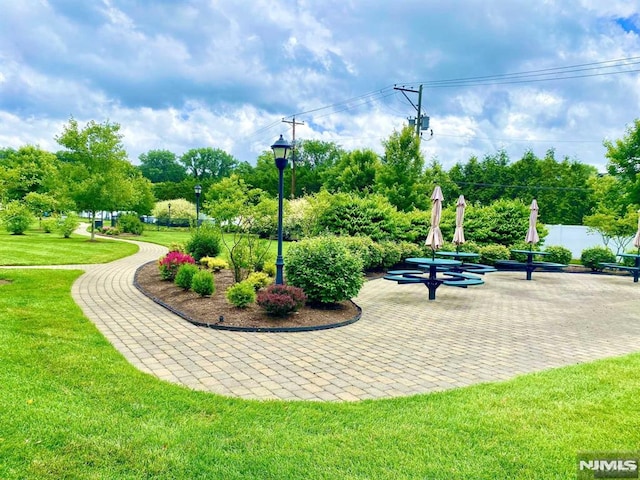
x: 211, y: 310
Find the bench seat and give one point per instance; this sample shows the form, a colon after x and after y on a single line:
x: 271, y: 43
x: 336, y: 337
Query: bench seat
x: 464, y: 283
x: 619, y: 267
x: 400, y: 279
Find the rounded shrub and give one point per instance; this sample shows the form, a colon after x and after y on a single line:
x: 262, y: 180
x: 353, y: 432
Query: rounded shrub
x: 49, y: 225
x: 489, y: 254
x: 281, y: 300
x: 204, y: 242
x: 325, y: 269
x: 558, y: 254
x: 185, y: 275
x: 169, y: 264
x: 629, y: 261
x: 130, y: 223
x: 392, y: 254
x: 69, y: 225
x: 16, y: 217
x: 241, y: 294
x: 214, y: 263
x: 593, y: 256
x: 202, y: 283
x: 259, y: 280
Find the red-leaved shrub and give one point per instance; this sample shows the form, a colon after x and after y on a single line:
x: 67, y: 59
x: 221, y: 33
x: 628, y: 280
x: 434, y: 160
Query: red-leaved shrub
x: 281, y: 300
x: 170, y: 263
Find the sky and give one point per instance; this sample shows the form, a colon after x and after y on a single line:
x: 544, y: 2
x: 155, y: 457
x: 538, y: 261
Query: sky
x: 516, y: 75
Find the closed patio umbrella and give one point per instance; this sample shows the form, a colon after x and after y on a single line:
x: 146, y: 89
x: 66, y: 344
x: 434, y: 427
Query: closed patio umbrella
x: 458, y: 234
x: 434, y: 237
x: 636, y: 239
x: 532, y: 234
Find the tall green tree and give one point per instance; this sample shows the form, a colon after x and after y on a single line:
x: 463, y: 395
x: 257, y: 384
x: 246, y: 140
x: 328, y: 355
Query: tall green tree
x: 98, y: 173
x: 399, y: 177
x: 483, y: 182
x: 161, y: 166
x: 208, y: 163
x: 314, y: 158
x: 355, y: 172
x: 29, y: 169
x: 624, y: 161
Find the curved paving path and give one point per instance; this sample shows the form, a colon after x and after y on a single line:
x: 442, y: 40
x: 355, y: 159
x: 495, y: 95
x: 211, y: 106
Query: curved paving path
x: 403, y: 344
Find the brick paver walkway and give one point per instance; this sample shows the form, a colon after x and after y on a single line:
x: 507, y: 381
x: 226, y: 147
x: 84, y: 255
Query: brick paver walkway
x: 402, y: 345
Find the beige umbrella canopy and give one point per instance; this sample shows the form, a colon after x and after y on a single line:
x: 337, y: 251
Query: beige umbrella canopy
x: 434, y: 237
x: 458, y: 234
x: 532, y: 234
x: 636, y: 239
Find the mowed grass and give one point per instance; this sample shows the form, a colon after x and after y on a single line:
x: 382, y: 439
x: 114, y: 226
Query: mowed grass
x: 38, y: 248
x: 167, y: 237
x: 72, y: 407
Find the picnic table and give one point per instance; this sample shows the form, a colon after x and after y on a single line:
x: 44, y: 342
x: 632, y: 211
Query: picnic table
x: 530, y: 265
x: 635, y: 270
x: 427, y: 273
x: 466, y: 266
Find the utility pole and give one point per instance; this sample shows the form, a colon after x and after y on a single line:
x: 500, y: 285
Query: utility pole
x: 421, y: 121
x: 293, y: 123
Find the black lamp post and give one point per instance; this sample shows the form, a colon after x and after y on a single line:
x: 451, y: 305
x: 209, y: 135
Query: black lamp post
x: 169, y: 221
x: 280, y: 150
x: 198, y: 190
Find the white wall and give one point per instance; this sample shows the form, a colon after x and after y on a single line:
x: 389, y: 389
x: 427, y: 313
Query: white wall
x: 574, y: 237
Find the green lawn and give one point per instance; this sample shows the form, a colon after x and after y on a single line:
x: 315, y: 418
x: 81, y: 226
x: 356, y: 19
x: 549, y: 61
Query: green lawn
x: 72, y: 407
x: 167, y: 237
x: 38, y: 248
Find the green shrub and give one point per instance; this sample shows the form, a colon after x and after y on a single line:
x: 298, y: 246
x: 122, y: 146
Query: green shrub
x: 392, y: 254
x: 130, y: 223
x: 269, y: 268
x: 325, y: 269
x: 489, y: 254
x: 69, y: 225
x: 49, y: 225
x: 592, y: 257
x: 177, y: 247
x: 16, y: 217
x: 109, y: 230
x: 204, y: 242
x: 629, y: 261
x: 365, y: 248
x: 259, y: 280
x: 241, y: 294
x: 558, y: 254
x: 185, y: 275
x: 202, y: 283
x: 281, y: 300
x: 216, y: 264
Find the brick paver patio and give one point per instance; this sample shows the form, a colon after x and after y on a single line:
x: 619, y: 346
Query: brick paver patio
x: 403, y: 344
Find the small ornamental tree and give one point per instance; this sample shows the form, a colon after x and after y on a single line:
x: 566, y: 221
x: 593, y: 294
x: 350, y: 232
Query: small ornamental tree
x: 170, y: 263
x: 325, y: 269
x: 281, y: 300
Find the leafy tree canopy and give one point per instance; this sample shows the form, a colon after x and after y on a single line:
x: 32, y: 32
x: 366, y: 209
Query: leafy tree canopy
x: 161, y: 166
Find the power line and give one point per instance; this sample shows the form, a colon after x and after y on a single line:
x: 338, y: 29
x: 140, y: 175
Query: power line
x: 536, y: 187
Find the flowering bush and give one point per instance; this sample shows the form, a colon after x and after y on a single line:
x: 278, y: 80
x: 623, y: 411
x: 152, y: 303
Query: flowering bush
x: 281, y: 300
x: 107, y: 230
x: 170, y: 263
